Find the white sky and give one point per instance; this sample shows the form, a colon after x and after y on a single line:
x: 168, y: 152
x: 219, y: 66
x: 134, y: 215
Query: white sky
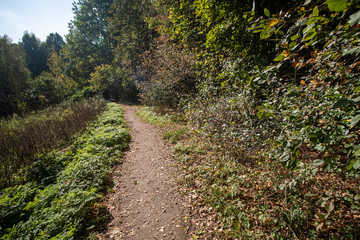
x: 40, y: 17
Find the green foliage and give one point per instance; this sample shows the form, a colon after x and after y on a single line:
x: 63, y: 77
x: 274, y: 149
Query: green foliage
x: 169, y: 74
x: 150, y: 115
x: 38, y: 133
x: 14, y: 77
x: 276, y: 84
x: 88, y: 42
x: 175, y: 135
x: 69, y: 186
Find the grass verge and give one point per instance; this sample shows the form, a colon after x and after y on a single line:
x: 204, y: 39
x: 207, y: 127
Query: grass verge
x: 64, y: 189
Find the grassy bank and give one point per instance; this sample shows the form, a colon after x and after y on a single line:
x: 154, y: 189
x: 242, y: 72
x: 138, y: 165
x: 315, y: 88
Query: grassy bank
x: 64, y: 189
x: 21, y: 138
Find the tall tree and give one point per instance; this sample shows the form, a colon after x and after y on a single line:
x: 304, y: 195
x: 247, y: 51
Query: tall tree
x: 36, y: 57
x: 54, y: 41
x: 88, y: 42
x: 14, y: 76
x: 130, y: 31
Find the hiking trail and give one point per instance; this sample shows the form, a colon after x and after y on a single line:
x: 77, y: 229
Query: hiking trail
x: 145, y: 203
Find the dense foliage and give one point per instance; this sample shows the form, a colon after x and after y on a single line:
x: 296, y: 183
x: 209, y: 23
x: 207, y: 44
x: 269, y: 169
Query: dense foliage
x: 270, y: 84
x: 14, y: 76
x: 22, y: 138
x: 62, y: 199
x: 261, y: 84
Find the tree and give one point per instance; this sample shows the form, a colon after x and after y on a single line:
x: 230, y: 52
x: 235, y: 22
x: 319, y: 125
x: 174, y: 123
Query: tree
x: 14, y: 76
x: 88, y: 42
x: 54, y: 42
x: 132, y: 37
x: 36, y: 57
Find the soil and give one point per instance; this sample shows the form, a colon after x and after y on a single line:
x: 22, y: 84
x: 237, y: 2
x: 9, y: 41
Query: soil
x: 145, y: 203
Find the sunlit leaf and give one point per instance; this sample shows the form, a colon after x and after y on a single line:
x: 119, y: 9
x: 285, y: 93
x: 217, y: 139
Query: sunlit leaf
x: 329, y: 207
x: 267, y: 13
x: 354, y: 18
x: 316, y: 11
x: 357, y: 89
x: 293, y: 38
x: 356, y: 164
x: 266, y: 33
x: 273, y: 22
x: 318, y: 162
x: 310, y: 35
x: 357, y: 153
x: 282, y: 56
x: 354, y: 50
x: 336, y: 5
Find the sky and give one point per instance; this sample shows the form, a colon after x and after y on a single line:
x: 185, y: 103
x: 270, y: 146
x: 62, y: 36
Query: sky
x: 40, y: 17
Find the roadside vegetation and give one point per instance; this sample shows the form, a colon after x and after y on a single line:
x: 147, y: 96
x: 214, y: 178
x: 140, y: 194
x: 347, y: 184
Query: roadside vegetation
x: 256, y: 200
x: 21, y: 138
x: 62, y: 196
x: 270, y: 93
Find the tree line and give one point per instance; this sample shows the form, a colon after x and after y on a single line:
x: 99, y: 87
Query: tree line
x: 100, y: 55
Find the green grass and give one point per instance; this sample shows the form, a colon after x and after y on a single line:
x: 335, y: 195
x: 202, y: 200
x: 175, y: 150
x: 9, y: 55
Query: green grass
x: 21, y: 138
x: 150, y: 115
x: 62, y: 199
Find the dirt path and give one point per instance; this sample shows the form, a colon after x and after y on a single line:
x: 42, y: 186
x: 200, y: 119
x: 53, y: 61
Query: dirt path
x: 145, y: 203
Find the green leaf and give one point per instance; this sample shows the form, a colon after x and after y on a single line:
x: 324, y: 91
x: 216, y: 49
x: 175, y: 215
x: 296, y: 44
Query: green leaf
x: 356, y: 164
x: 357, y: 153
x: 357, y: 197
x: 316, y: 11
x: 356, y: 99
x: 336, y: 5
x: 354, y: 18
x: 318, y: 162
x: 329, y: 207
x: 279, y: 58
x: 342, y: 103
x: 334, y: 95
x: 310, y: 35
x: 355, y: 120
x: 266, y: 33
x: 267, y: 12
x: 293, y: 38
x: 357, y: 89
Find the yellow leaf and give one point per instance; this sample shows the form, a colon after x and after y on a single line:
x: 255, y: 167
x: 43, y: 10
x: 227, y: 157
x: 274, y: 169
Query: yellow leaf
x: 302, y: 82
x: 273, y: 22
x: 286, y: 53
x: 302, y: 9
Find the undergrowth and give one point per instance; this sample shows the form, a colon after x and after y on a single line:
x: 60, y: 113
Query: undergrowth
x: 153, y: 116
x: 64, y: 189
x: 261, y: 199
x: 38, y: 133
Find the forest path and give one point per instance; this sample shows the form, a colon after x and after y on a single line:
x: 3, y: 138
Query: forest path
x: 145, y: 203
